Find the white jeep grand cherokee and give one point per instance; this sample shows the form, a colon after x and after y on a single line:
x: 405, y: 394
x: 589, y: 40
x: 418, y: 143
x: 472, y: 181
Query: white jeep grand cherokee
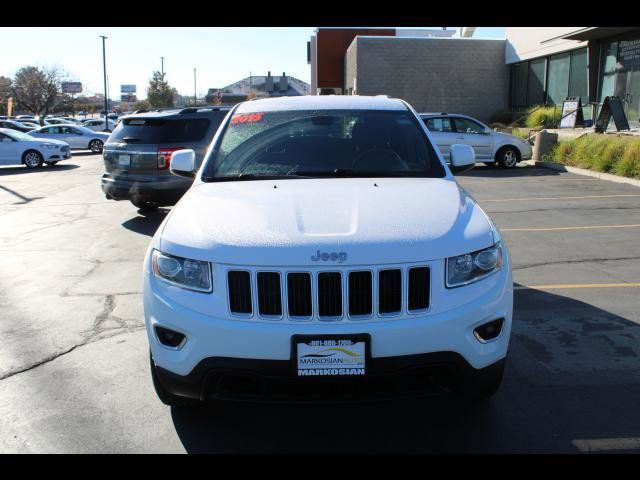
x: 325, y: 251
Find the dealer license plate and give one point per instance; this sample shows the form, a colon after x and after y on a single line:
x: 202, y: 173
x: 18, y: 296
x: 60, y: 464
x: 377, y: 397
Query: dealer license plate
x: 124, y: 160
x: 335, y: 356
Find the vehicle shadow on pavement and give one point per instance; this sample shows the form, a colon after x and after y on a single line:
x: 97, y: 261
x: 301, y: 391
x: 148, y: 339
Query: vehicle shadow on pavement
x: 570, y: 385
x: 490, y: 171
x: 83, y: 153
x: 146, y: 223
x: 21, y: 169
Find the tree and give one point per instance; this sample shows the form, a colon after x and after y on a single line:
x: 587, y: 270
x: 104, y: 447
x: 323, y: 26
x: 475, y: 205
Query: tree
x: 5, y: 93
x: 142, y: 105
x: 36, y: 89
x: 159, y: 93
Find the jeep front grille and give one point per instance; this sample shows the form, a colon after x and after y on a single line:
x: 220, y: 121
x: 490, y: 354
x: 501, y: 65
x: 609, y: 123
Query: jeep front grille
x: 328, y: 295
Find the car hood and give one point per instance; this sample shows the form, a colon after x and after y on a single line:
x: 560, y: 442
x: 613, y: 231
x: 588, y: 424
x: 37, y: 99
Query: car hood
x: 286, y: 222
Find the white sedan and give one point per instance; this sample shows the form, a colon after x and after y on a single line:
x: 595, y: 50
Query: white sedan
x: 489, y: 147
x: 19, y: 148
x: 75, y: 135
x: 97, y: 124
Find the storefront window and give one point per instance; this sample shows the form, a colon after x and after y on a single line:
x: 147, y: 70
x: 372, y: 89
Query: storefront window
x: 608, y: 78
x: 519, y: 84
x: 535, y: 84
x: 558, y: 88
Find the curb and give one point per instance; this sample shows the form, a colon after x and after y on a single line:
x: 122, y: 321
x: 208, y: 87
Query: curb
x: 589, y: 173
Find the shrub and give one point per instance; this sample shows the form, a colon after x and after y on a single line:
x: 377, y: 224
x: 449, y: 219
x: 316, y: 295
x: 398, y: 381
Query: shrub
x: 507, y: 117
x: 602, y: 153
x: 543, y: 116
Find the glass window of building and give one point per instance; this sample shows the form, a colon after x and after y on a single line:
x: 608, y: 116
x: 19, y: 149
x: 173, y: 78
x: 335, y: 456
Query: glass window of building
x: 535, y: 84
x: 558, y: 87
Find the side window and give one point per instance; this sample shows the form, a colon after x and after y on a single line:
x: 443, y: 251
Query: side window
x: 439, y: 125
x: 46, y: 130
x: 464, y: 125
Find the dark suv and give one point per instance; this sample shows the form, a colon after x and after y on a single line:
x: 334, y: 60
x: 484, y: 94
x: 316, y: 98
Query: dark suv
x: 138, y: 153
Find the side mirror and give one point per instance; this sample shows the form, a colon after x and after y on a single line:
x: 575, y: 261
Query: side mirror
x: 462, y: 158
x: 183, y: 163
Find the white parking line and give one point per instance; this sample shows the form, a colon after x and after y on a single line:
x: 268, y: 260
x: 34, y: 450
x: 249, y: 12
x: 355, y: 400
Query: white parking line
x: 531, y: 199
x: 582, y: 227
x: 603, y: 444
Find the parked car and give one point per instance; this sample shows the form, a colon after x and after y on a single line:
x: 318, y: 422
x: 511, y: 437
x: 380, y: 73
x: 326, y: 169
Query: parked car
x: 490, y: 147
x: 32, y: 125
x: 325, y: 250
x: 137, y: 155
x: 58, y: 121
x: 19, y: 148
x: 15, y: 125
x: 76, y: 136
x: 26, y: 117
x: 98, y: 125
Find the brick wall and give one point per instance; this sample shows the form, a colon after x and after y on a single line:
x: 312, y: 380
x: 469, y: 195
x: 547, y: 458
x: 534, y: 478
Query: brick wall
x: 466, y: 76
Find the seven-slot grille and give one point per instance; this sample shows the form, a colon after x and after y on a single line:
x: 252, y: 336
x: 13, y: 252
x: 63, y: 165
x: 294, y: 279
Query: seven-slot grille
x: 306, y: 295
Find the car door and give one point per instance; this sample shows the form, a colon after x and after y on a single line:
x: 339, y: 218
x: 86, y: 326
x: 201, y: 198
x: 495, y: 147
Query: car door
x: 474, y: 134
x: 73, y: 137
x: 442, y: 131
x: 9, y: 150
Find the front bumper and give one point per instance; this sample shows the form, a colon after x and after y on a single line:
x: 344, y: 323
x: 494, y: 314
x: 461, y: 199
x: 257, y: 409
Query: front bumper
x: 442, y: 342
x: 239, y: 379
x: 163, y: 191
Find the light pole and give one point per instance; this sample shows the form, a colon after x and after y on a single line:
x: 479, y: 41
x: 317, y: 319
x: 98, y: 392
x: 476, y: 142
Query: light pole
x: 104, y: 67
x: 195, y: 95
x: 162, y: 67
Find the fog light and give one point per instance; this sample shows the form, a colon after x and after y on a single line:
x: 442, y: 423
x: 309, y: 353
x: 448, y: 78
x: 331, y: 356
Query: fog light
x: 170, y: 338
x: 489, y: 331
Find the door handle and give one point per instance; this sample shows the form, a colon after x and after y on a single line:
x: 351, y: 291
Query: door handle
x: 460, y: 138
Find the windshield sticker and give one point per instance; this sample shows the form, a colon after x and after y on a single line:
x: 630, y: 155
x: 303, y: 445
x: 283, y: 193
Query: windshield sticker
x: 246, y: 118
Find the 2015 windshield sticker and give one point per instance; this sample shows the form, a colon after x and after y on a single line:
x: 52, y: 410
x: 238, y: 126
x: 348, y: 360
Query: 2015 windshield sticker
x: 246, y: 118
x: 314, y: 358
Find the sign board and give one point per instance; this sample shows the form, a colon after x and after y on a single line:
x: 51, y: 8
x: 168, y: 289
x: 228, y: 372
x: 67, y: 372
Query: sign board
x: 127, y: 89
x: 612, y: 107
x: 71, y: 87
x: 128, y: 98
x: 629, y: 54
x: 571, y: 113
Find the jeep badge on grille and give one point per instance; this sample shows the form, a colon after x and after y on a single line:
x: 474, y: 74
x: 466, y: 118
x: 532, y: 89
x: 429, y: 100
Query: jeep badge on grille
x: 326, y: 256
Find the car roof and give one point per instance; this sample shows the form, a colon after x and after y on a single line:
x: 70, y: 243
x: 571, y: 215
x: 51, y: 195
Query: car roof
x: 321, y: 102
x: 201, y: 111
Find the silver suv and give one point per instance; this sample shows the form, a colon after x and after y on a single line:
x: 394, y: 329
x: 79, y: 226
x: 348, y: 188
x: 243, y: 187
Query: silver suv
x: 138, y: 153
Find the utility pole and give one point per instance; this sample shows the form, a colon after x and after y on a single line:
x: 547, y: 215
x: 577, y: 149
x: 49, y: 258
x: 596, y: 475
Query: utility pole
x: 195, y: 95
x: 162, y: 61
x: 104, y: 67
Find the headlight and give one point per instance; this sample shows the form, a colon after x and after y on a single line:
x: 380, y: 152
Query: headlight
x: 471, y: 267
x: 183, y: 272
x: 48, y: 146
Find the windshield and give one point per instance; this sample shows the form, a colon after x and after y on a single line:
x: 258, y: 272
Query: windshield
x: 321, y: 143
x: 20, y: 136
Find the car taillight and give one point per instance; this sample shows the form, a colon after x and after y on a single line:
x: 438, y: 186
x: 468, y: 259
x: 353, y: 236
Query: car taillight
x: 164, y: 156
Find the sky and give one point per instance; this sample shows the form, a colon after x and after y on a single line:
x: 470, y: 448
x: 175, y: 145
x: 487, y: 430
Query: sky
x: 220, y: 56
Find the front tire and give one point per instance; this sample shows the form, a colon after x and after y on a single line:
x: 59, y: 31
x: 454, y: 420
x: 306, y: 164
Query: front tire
x: 508, y: 157
x: 32, y: 159
x: 144, y: 206
x: 96, y: 146
x: 166, y: 397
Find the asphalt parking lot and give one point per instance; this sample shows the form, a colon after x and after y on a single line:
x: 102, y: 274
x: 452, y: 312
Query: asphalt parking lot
x: 74, y: 361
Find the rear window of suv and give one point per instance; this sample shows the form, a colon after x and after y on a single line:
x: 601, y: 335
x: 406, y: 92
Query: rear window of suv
x: 164, y: 130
